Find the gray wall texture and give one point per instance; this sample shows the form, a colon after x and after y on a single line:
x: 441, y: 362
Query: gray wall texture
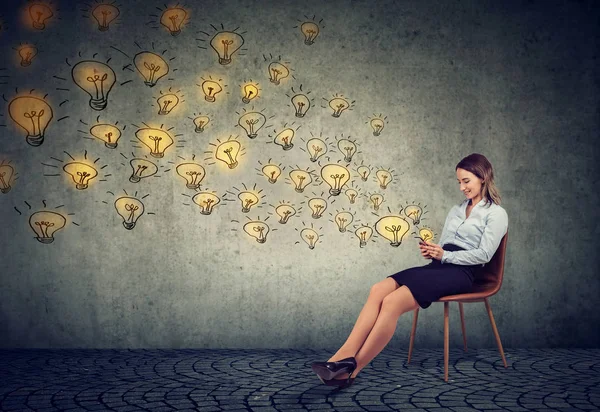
x: 514, y: 80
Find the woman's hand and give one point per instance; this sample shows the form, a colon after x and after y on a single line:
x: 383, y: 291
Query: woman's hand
x: 424, y: 250
x: 433, y: 250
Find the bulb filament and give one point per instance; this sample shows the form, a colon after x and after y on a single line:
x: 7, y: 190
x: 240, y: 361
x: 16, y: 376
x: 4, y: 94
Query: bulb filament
x: 174, y: 21
x: 194, y: 176
x: 42, y: 225
x: 317, y: 211
x: 4, y: 184
x: 251, y: 124
x: 140, y: 170
x: 394, y: 229
x: 33, y: 123
x: 105, y: 14
x: 153, y: 69
x: 163, y: 109
x: 131, y: 208
x: 337, y: 178
x: 260, y: 230
x: 311, y: 243
x: 97, y: 79
x: 156, y: 140
x: 226, y: 44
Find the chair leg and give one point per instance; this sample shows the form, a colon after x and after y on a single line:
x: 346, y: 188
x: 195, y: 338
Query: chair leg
x: 496, y: 334
x: 462, y: 324
x: 446, y: 340
x: 412, y: 334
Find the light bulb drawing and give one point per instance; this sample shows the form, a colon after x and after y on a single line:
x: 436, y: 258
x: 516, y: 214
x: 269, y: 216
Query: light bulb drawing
x: 316, y: 148
x: 377, y: 123
x: 156, y: 140
x: 26, y: 54
x: 343, y: 219
x: 363, y: 172
x: 167, y: 102
x: 426, y: 234
x: 300, y: 101
x: 108, y: 133
x: 206, y: 201
x: 301, y: 179
x: 272, y: 172
x: 250, y: 91
x: 317, y: 205
x: 200, y: 123
x: 192, y: 173
x: 252, y: 122
x: 173, y: 19
x: 151, y: 66
x: 278, y: 72
x: 376, y: 200
x: 285, y: 211
x: 45, y: 224
x: 211, y: 88
x: 413, y: 212
x: 310, y: 237
x: 348, y: 149
x: 384, y: 178
x: 257, y: 229
x: 40, y: 13
x: 310, y: 30
x: 249, y: 198
x: 364, y: 234
x: 339, y: 104
x: 32, y: 114
x: 96, y: 79
x: 284, y: 138
x: 336, y: 176
x: 393, y: 228
x: 6, y: 176
x: 352, y: 194
x: 130, y: 209
x: 141, y: 169
x: 105, y: 14
x: 226, y: 44
x: 80, y: 173
x: 227, y: 152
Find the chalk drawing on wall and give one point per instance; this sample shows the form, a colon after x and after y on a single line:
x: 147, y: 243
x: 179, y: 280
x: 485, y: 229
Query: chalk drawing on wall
x: 339, y: 104
x: 393, y: 227
x: 140, y: 168
x: 336, y: 176
x: 211, y: 87
x: 200, y: 121
x: 96, y: 79
x: 300, y: 101
x: 249, y: 198
x: 167, y: 101
x: 228, y: 152
x: 424, y: 234
x: 191, y: 173
x: 102, y: 14
x: 377, y: 123
x: 415, y: 212
x: 343, y: 218
x: 284, y: 136
x: 270, y: 170
x: 310, y: 28
x: 250, y: 90
x: 278, y: 69
x: 364, y: 233
x: 223, y: 42
x: 256, y: 229
x: 79, y: 172
x: 151, y: 64
x: 109, y: 133
x: 316, y: 146
x: 156, y: 139
x: 317, y: 204
x: 376, y: 200
x: 39, y: 14
x: 206, y: 201
x: 252, y: 121
x: 301, y: 178
x: 173, y: 19
x: 129, y: 208
x: 347, y: 147
x: 363, y: 171
x: 384, y: 177
x: 47, y: 221
x: 285, y: 210
x: 310, y: 235
x: 8, y: 175
x: 33, y: 114
x: 353, y: 193
x: 26, y: 52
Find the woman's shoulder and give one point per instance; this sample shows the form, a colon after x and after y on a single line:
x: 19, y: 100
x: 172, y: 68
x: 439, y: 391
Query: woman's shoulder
x: 494, y: 209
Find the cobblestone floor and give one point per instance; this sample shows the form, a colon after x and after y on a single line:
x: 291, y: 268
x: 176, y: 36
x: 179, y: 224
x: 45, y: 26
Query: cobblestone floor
x: 281, y: 380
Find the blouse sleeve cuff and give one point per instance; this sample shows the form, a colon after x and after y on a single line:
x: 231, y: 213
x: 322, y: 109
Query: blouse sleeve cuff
x: 445, y: 256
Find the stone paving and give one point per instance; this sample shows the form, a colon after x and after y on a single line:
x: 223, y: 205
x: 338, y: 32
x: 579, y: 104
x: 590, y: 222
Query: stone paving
x: 281, y: 380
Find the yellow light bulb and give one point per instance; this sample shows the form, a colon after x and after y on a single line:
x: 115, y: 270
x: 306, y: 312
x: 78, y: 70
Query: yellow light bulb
x: 348, y: 148
x: 363, y: 234
x: 316, y: 148
x: 364, y: 172
x: 258, y: 230
x: 200, y: 122
x: 226, y: 43
x: 278, y: 72
x: 310, y: 237
x: 377, y: 125
x: 414, y: 212
x: 151, y: 66
x: 6, y: 175
x: 227, y: 152
x: 426, y: 234
x: 284, y: 139
x: 352, y: 194
x: 45, y: 224
x: 393, y: 228
x: 141, y: 168
x: 108, y: 133
x: 166, y: 103
x: 301, y: 179
x: 80, y: 173
x: 310, y: 31
x: 301, y: 103
x: 318, y: 206
x: 207, y: 201
x: 33, y: 115
x: 336, y: 177
x: 272, y: 172
x: 39, y: 14
x: 210, y: 88
x: 96, y: 79
x: 104, y: 15
x: 193, y: 174
x: 172, y: 19
x: 342, y: 220
x: 130, y: 209
x: 384, y: 178
x: 248, y: 200
x: 376, y: 200
x: 252, y: 122
x: 27, y: 53
x: 250, y: 93
x: 338, y: 105
x: 285, y: 212
x: 156, y: 140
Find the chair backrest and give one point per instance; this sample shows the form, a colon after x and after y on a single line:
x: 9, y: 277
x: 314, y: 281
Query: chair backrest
x: 489, y: 276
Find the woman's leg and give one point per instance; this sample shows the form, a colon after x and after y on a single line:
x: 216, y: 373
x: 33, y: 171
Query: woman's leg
x: 366, y: 319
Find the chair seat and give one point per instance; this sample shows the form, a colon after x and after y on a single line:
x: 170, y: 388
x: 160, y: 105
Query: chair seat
x: 480, y: 291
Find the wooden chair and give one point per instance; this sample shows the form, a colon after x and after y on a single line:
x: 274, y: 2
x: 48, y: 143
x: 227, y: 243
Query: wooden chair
x: 487, y: 282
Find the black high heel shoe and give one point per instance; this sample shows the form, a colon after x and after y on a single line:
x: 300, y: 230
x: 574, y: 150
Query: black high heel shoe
x: 326, y: 371
x: 341, y: 383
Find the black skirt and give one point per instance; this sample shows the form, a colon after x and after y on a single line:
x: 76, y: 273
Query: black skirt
x: 430, y: 282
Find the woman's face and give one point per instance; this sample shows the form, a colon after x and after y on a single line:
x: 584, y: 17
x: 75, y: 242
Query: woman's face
x: 470, y: 184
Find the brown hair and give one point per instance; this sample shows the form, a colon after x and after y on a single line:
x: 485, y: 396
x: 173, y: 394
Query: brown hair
x: 482, y: 168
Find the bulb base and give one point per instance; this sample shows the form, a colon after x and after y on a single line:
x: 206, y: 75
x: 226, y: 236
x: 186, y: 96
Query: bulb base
x: 199, y: 129
x: 311, y: 247
x: 209, y: 98
x: 334, y: 192
x: 25, y: 63
x: 275, y: 81
x: 308, y: 42
x: 376, y: 133
x: 383, y: 186
x: 110, y: 145
x: 5, y: 189
x: 363, y: 243
x: 299, y: 190
x: 316, y: 216
x: 45, y: 240
x: 129, y: 226
x: 298, y: 114
x: 335, y: 114
x: 232, y: 165
x: 81, y: 186
x: 157, y: 155
x: 342, y: 229
x: 98, y: 104
x: 252, y: 135
x: 149, y: 84
x: 134, y: 179
x: 35, y: 140
x: 288, y: 146
x: 192, y: 186
x: 272, y: 180
x: 39, y: 26
x: 224, y: 61
x: 175, y: 33
x: 103, y: 28
x: 395, y: 244
x: 205, y: 211
x: 245, y: 209
x: 262, y: 240
x: 245, y: 100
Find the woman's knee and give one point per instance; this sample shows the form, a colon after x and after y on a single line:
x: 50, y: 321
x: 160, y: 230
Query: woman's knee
x: 383, y: 288
x: 400, y: 301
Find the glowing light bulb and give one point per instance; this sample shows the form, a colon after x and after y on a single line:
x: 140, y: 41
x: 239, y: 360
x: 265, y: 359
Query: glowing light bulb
x: 352, y: 194
x: 130, y: 209
x: 363, y: 233
x: 426, y: 234
x: 27, y: 53
x: 310, y: 237
x: 142, y: 169
x: 33, y: 115
x: 338, y: 105
x: 348, y: 148
x: 6, y: 174
x: 318, y: 206
x: 227, y: 152
x: 172, y: 18
x: 104, y: 15
x: 364, y: 172
x: 39, y: 14
x: 376, y: 200
x: 193, y: 174
x: 108, y: 133
x: 384, y: 178
x: 336, y: 177
x: 80, y: 173
x: 156, y: 140
x: 301, y: 179
x: 310, y: 31
x: 250, y: 93
x: 258, y: 230
x: 96, y: 79
x: 166, y: 103
x: 284, y: 139
x: 210, y: 88
x: 226, y: 43
x: 317, y: 148
x: 200, y: 122
x: 301, y: 103
x: 285, y: 212
x: 151, y: 66
x: 45, y: 224
x: 342, y: 220
x: 248, y: 200
x: 393, y: 228
x: 377, y: 125
x: 278, y: 72
x: 414, y: 212
x: 252, y: 122
x: 207, y: 201
x: 272, y: 172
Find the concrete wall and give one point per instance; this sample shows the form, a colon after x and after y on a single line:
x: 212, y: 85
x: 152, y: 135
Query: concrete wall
x: 514, y: 80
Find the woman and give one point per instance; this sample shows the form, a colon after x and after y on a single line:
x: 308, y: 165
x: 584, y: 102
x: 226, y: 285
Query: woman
x: 472, y: 232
